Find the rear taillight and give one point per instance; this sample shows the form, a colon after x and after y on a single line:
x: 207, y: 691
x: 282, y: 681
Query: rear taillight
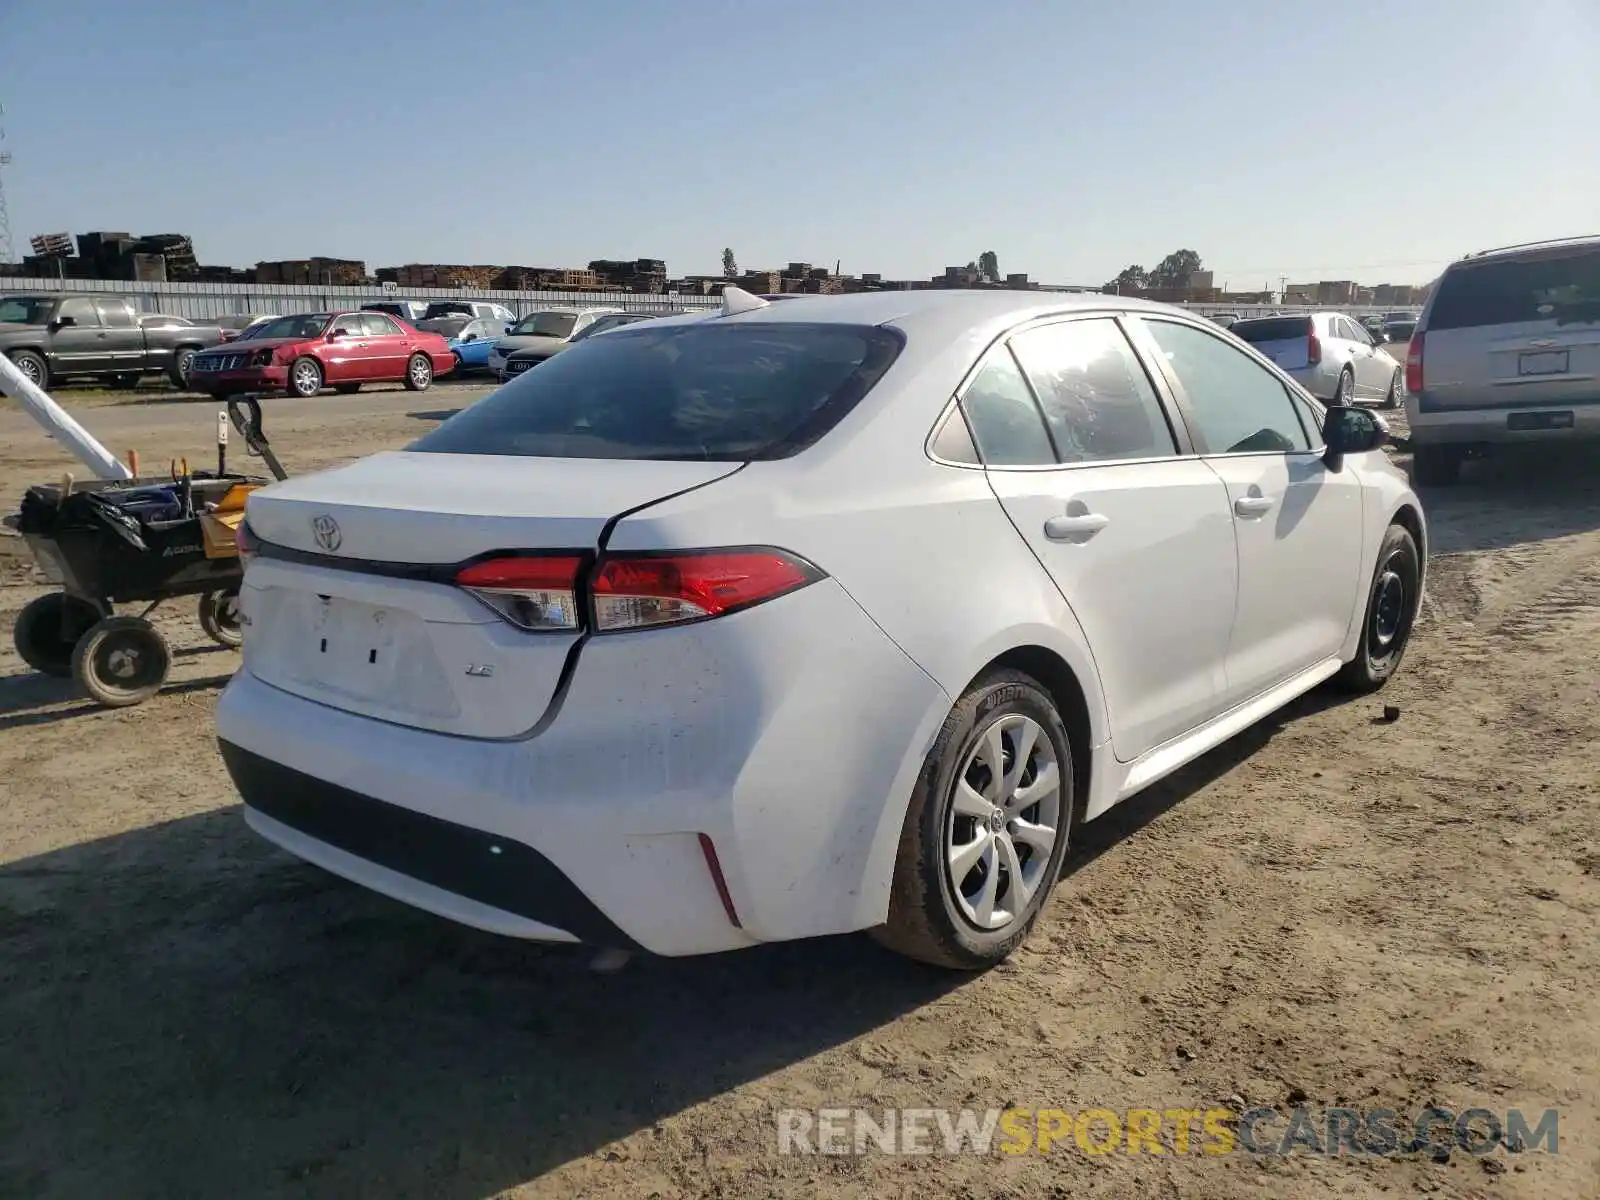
x: 538, y: 592
x: 1313, y: 350
x: 668, y: 589
x: 1414, y: 363
x: 245, y: 538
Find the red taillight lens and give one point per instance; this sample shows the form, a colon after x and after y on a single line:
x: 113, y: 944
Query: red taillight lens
x: 531, y: 591
x: 1414, y: 363
x: 649, y: 591
x: 1313, y: 350
x: 245, y: 538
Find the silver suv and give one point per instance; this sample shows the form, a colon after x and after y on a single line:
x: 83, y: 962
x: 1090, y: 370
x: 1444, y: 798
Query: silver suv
x: 1507, y: 350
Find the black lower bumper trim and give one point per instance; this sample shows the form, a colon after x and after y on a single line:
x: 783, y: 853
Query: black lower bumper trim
x: 492, y: 870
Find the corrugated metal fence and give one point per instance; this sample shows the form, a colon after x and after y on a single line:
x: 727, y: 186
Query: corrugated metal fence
x: 203, y: 301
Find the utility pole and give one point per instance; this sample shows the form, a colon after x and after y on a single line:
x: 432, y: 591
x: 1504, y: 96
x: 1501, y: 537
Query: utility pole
x: 7, y: 253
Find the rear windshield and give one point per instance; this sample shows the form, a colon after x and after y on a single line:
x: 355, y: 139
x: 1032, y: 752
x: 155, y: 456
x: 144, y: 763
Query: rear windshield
x: 1272, y: 329
x: 1562, y: 288
x: 717, y: 393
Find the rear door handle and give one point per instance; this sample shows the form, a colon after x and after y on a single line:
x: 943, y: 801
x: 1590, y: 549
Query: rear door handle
x: 1081, y: 526
x: 1252, y: 506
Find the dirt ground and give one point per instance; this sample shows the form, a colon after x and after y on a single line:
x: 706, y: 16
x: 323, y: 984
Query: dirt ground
x: 1357, y: 912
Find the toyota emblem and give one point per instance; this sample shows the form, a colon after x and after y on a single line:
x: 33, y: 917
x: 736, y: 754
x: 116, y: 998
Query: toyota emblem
x: 326, y: 531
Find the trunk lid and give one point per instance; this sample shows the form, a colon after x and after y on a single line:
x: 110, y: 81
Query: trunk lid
x: 373, y: 624
x: 1285, y: 340
x: 1526, y: 365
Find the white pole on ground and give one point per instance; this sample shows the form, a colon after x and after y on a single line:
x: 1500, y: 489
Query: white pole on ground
x: 57, y: 422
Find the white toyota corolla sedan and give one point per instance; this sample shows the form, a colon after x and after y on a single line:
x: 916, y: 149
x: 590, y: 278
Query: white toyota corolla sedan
x: 800, y: 619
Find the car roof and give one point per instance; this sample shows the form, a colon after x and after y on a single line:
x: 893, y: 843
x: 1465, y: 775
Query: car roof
x: 936, y: 313
x: 1533, y: 249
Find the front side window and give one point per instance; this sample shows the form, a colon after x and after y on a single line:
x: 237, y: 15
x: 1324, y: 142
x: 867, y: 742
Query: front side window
x: 1096, y: 398
x: 1236, y: 404
x: 81, y: 311
x: 728, y: 393
x: 379, y: 325
x: 1003, y: 417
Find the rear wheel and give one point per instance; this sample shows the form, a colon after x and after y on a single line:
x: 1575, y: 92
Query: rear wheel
x: 1391, y: 610
x: 1346, y: 390
x: 347, y: 389
x: 987, y: 828
x: 219, y: 617
x: 48, y: 628
x: 121, y: 661
x: 1397, y: 387
x: 305, y: 378
x: 33, y: 366
x: 1435, y: 466
x: 419, y: 373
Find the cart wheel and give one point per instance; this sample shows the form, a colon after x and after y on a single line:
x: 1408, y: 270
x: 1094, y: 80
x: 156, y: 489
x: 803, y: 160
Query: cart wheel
x: 121, y: 661
x: 48, y: 628
x: 219, y: 617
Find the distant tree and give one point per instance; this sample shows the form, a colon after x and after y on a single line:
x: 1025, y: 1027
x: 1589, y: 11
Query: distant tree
x: 989, y: 264
x: 730, y: 268
x: 1130, y: 279
x: 1175, y: 270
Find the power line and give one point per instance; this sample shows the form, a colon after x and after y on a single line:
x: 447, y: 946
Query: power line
x: 7, y: 251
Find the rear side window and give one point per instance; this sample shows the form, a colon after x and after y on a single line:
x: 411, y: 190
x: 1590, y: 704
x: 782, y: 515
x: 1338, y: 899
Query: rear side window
x: 703, y: 392
x: 1096, y: 398
x: 1564, y: 288
x: 1272, y: 329
x: 1003, y: 416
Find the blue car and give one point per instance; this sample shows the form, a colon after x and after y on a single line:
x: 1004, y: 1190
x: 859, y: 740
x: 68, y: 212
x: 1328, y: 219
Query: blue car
x: 470, y: 339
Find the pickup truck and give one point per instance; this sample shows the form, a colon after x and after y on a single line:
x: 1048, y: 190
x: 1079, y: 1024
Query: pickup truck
x: 51, y: 337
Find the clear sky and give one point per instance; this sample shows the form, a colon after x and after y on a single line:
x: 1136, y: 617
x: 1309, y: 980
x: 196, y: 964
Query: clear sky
x: 1373, y: 139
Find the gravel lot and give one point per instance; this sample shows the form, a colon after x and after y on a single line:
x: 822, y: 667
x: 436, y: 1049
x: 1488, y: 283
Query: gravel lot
x: 1357, y: 912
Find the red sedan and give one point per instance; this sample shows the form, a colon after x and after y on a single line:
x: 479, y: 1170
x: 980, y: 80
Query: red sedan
x: 302, y: 355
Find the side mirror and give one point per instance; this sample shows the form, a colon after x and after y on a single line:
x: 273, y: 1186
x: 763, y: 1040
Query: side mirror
x: 64, y: 322
x: 1351, y: 430
x: 336, y: 334
x: 471, y: 337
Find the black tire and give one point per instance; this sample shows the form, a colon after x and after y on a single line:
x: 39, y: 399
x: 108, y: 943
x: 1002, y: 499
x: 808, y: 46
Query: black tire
x: 1435, y: 466
x: 219, y: 617
x: 419, y: 373
x: 305, y: 377
x: 182, y: 363
x: 347, y: 389
x: 1390, y: 612
x: 1397, y: 387
x: 33, y: 366
x: 925, y: 919
x: 1344, y: 392
x: 121, y: 661
x: 48, y: 628
x: 125, y: 382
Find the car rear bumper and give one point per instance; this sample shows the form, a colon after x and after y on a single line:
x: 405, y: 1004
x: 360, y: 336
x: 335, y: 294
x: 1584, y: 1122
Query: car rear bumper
x: 748, y: 730
x: 1499, y: 425
x: 1322, y: 381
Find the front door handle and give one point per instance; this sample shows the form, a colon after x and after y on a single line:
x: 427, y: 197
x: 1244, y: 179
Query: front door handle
x: 1079, y: 527
x: 1252, y: 506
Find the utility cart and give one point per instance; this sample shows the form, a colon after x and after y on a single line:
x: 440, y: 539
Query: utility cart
x: 134, y: 542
